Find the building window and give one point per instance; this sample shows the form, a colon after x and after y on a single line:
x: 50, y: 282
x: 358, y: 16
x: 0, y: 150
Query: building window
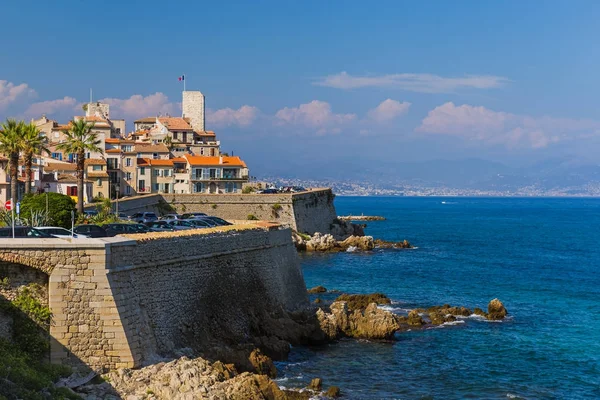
x: 87, y: 155
x: 96, y: 167
x: 198, y: 187
x: 155, y: 156
x: 156, y: 172
x: 118, y: 131
x: 127, y: 148
x: 201, y: 151
x: 156, y: 187
x: 57, y: 156
x: 174, y: 135
x: 230, y: 187
x: 128, y: 162
x: 143, y: 171
x: 128, y: 176
x: 215, y: 173
x: 168, y: 172
x: 71, y: 190
x: 99, y: 182
x: 128, y: 190
x: 142, y: 185
x: 206, y: 174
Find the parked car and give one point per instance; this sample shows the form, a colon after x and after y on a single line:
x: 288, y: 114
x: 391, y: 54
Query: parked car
x: 123, y: 216
x: 193, y: 215
x: 24, y: 232
x: 120, y: 228
x: 219, y: 221
x: 180, y: 224
x: 59, y: 232
x: 206, y: 220
x: 90, y: 213
x: 160, y: 226
x: 170, y: 217
x: 143, y: 217
x: 198, y: 223
x: 268, y: 191
x: 93, y: 231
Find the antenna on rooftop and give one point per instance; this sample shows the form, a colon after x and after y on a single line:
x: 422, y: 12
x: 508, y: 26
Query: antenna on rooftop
x: 90, y: 95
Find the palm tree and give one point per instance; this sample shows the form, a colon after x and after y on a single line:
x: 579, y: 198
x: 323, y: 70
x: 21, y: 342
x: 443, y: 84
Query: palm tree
x: 79, y: 140
x: 168, y: 141
x: 11, y: 144
x: 34, y: 142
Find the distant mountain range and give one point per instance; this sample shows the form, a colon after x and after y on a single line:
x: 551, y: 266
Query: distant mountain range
x: 571, y: 175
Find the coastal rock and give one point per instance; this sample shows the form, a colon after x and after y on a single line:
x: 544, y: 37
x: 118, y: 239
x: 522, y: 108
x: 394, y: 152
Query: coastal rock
x: 414, y: 318
x: 343, y: 229
x: 496, y: 310
x: 315, y: 384
x: 365, y: 322
x: 184, y: 379
x: 262, y: 363
x: 383, y: 244
x: 360, y: 242
x: 317, y: 289
x: 320, y: 242
x: 359, y: 301
x: 438, y: 318
x: 480, y: 312
x: 333, y: 392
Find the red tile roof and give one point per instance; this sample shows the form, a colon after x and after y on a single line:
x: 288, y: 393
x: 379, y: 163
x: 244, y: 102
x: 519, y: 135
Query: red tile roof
x: 204, y: 160
x: 176, y: 124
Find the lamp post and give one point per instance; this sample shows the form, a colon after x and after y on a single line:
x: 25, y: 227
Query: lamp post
x: 117, y: 196
x: 47, y: 189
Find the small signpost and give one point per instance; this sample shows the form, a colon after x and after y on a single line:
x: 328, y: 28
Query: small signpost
x: 9, y: 206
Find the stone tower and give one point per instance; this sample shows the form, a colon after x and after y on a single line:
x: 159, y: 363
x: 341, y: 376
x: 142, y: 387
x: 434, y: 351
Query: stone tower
x: 97, y: 109
x: 193, y: 108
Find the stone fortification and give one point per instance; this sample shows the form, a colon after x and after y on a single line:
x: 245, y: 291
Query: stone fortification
x: 118, y: 302
x: 307, y: 212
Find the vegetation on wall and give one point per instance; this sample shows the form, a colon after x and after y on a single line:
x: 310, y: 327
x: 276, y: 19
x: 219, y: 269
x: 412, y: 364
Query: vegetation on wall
x: 59, y: 208
x: 164, y: 207
x: 252, y: 217
x: 248, y: 189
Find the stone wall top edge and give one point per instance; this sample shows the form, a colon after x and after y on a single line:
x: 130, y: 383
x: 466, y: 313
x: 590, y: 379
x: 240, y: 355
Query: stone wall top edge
x: 57, y: 243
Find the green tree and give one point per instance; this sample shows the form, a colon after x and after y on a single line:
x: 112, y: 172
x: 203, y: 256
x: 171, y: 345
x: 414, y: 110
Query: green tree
x: 168, y: 141
x: 34, y: 142
x: 11, y: 145
x: 79, y: 140
x: 59, y: 207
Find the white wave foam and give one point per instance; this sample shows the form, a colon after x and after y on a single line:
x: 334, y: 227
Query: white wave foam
x: 450, y: 323
x: 351, y: 249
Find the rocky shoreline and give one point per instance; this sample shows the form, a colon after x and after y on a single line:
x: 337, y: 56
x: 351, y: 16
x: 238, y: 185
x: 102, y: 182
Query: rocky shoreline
x: 246, y: 371
x: 361, y: 218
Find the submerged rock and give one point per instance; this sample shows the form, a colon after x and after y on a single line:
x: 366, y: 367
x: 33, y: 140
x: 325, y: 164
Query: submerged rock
x: 333, y: 392
x: 480, y: 312
x: 315, y: 384
x: 414, y: 318
x: 496, y: 310
x: 438, y: 318
x: 317, y: 289
x: 384, y: 244
x: 358, y: 301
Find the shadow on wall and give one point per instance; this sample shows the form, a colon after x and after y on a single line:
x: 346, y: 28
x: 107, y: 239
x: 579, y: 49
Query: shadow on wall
x: 25, y: 342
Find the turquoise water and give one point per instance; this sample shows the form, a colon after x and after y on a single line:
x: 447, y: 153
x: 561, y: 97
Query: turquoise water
x: 541, y: 257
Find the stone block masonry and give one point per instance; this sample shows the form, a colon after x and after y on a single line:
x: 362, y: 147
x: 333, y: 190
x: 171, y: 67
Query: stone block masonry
x: 120, y: 302
x: 307, y: 212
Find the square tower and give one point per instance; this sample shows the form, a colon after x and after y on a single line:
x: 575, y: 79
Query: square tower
x: 193, y: 108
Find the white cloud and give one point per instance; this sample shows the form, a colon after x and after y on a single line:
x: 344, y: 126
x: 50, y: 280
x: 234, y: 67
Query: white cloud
x: 315, y: 115
x: 388, y: 110
x: 495, y: 127
x: 51, y: 106
x: 243, y: 116
x: 11, y: 93
x: 138, y: 106
x: 424, y: 83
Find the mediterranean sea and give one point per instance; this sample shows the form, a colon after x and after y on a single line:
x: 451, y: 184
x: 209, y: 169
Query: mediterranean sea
x: 539, y: 256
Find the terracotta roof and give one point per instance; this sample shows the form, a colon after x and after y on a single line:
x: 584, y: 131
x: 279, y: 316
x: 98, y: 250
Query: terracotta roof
x: 145, y: 120
x: 204, y: 160
x: 179, y: 159
x: 142, y: 162
x: 155, y: 163
x: 151, y: 148
x: 140, y: 133
x: 112, y: 140
x: 62, y: 127
x: 97, y: 174
x: 60, y: 167
x: 112, y: 150
x: 95, y: 161
x: 176, y: 124
x: 69, y: 179
x: 205, y: 133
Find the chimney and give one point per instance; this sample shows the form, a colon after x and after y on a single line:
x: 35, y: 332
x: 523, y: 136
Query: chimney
x: 220, y: 159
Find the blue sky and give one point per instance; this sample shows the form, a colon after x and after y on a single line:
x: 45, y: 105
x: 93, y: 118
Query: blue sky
x: 325, y: 83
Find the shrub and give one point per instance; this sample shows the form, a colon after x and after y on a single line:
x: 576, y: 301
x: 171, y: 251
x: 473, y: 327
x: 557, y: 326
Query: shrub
x: 252, y: 217
x: 59, y: 207
x: 164, y: 207
x: 276, y: 207
x: 248, y: 189
x: 213, y: 206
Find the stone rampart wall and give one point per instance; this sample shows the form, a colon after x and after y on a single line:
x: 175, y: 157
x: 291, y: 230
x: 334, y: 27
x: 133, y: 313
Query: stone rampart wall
x: 213, y: 283
x: 118, y: 302
x: 308, y: 212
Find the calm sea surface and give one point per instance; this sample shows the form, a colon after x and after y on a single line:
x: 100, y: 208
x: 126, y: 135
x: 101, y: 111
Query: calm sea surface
x: 541, y: 257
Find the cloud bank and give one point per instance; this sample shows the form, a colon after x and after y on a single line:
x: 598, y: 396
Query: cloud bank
x: 11, y: 93
x: 422, y: 83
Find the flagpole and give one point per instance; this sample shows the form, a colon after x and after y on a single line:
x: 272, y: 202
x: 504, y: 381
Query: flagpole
x: 183, y: 82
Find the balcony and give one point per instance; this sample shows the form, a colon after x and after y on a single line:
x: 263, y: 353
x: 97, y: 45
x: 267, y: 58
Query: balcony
x: 207, y: 143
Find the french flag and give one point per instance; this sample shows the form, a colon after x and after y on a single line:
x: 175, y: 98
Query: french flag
x: 181, y: 78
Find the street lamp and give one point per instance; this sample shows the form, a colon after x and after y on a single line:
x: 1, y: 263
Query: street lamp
x: 47, y: 189
x: 117, y: 187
